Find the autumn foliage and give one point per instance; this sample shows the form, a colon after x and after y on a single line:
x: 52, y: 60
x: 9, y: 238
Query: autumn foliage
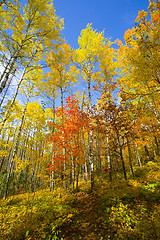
x: 97, y: 147
x: 66, y: 139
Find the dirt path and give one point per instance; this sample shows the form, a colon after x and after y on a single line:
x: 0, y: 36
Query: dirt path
x: 87, y: 224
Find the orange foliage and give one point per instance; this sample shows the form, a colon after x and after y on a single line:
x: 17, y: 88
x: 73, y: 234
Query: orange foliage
x: 68, y: 135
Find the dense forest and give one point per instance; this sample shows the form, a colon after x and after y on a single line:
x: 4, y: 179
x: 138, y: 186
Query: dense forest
x: 78, y: 164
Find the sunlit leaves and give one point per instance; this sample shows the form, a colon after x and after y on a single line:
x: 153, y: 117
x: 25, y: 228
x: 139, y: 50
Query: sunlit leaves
x: 90, y: 48
x: 63, y: 73
x: 71, y: 124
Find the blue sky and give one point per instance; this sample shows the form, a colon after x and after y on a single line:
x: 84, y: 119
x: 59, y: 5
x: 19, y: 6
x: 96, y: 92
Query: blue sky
x: 112, y: 16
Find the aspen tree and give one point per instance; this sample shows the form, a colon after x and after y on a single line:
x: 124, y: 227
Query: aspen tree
x: 87, y: 57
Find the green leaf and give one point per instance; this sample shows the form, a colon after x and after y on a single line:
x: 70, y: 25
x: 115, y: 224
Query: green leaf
x: 27, y: 233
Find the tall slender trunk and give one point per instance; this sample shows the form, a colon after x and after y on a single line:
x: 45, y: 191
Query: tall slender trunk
x: 73, y: 172
x: 86, y: 171
x: 64, y: 149
x: 12, y: 61
x: 83, y: 169
x: 138, y: 156
x: 7, y: 66
x: 77, y: 182
x: 8, y: 112
x: 52, y: 175
x: 90, y: 150
x: 83, y: 142
x: 121, y: 156
x: 98, y: 156
x: 15, y: 149
x: 157, y: 145
x: 108, y: 155
x: 146, y: 151
x: 130, y: 156
x: 3, y: 159
x: 124, y: 169
x: 6, y: 74
x: 9, y: 83
x: 85, y: 164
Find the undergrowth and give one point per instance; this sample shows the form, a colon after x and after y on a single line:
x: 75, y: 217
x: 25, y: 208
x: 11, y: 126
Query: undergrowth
x: 114, y: 210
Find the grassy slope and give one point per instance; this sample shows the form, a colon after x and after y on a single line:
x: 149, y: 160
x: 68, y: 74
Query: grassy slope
x: 117, y: 210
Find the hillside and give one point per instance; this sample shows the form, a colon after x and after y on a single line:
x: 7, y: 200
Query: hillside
x: 114, y: 210
x: 79, y: 126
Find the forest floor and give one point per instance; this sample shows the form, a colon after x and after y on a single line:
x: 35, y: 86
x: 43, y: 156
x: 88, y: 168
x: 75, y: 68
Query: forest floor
x: 114, y: 210
x: 87, y: 223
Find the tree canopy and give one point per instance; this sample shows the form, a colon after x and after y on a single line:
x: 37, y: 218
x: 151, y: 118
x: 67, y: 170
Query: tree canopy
x: 53, y: 136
